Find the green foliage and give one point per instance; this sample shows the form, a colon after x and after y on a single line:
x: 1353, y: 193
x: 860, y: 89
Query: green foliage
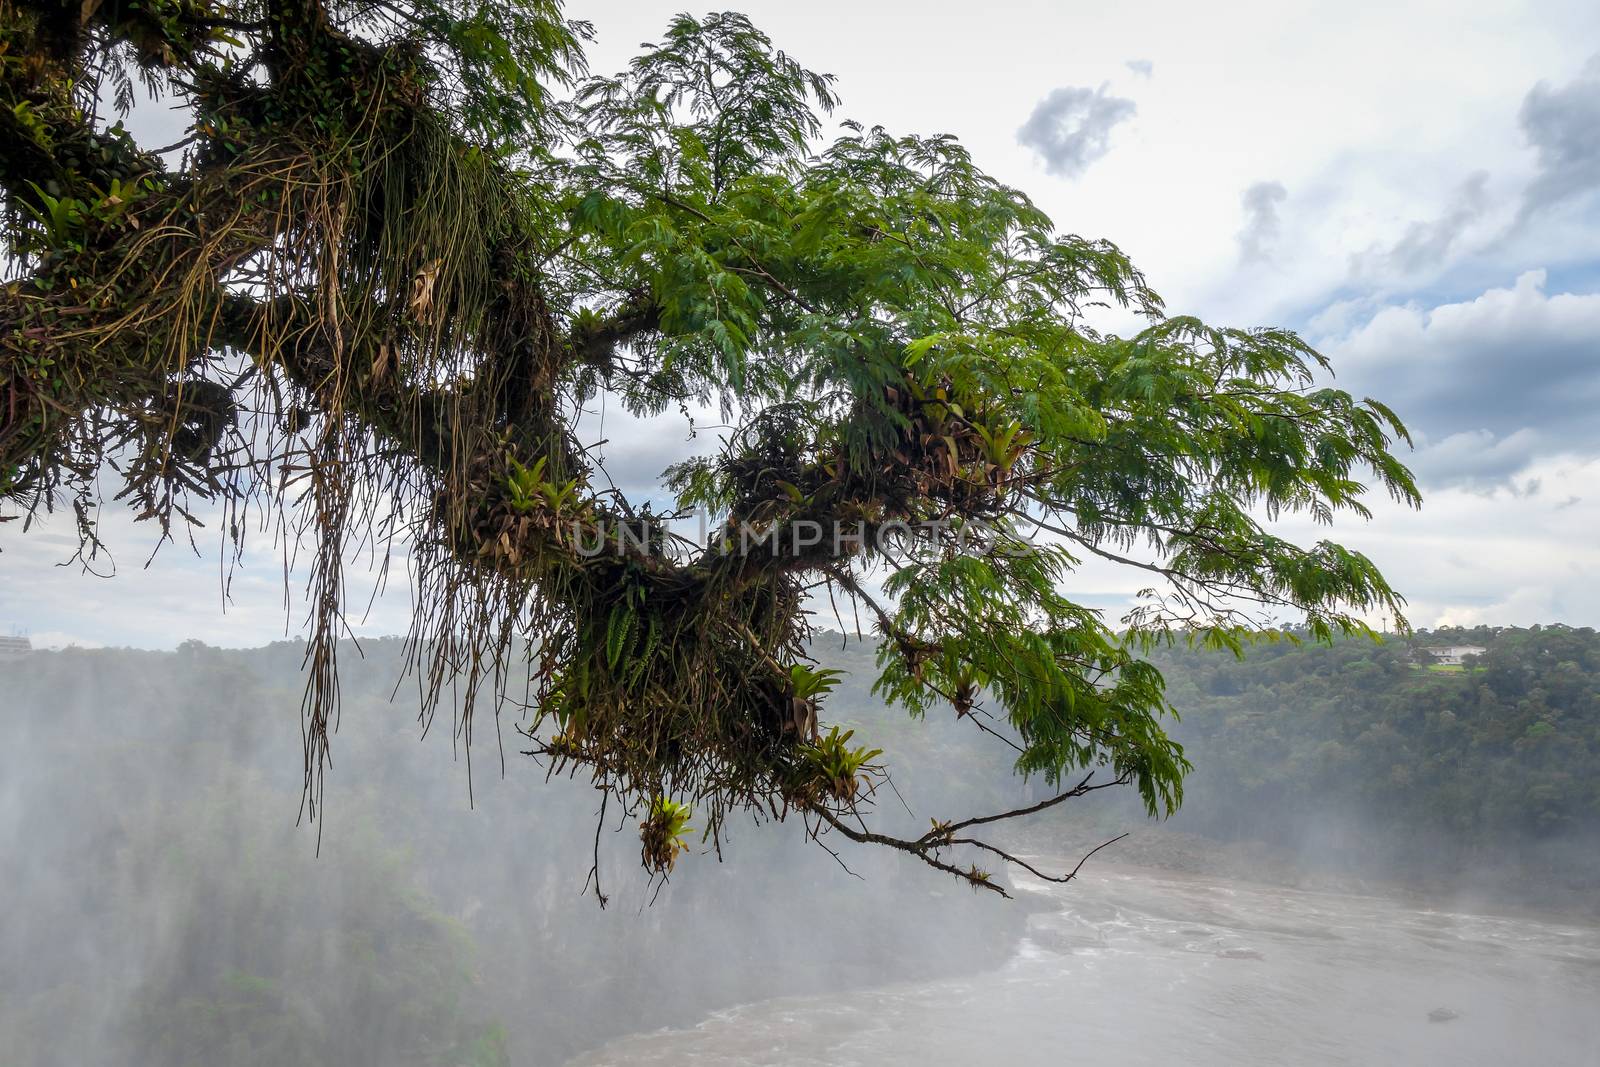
x: 527, y: 489
x: 812, y: 682
x: 830, y: 765
x: 411, y: 239
x: 61, y: 219
x: 1074, y: 692
x: 524, y: 486
x: 498, y: 59
x: 664, y: 834
x: 1493, y: 758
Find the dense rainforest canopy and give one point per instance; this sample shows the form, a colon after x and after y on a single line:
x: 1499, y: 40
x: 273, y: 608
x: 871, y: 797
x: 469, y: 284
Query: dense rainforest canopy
x: 405, y: 241
x: 1497, y: 755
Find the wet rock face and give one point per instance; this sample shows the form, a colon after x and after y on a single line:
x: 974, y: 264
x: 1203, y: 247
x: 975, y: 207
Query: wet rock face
x: 1443, y: 1015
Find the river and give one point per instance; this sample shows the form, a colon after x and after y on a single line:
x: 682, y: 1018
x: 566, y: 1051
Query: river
x: 1127, y: 966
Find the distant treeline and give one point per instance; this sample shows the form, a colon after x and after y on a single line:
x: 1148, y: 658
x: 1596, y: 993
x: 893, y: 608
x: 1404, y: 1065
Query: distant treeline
x: 1369, y: 754
x: 1360, y: 757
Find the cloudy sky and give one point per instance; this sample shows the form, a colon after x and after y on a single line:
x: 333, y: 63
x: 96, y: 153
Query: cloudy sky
x: 1414, y: 186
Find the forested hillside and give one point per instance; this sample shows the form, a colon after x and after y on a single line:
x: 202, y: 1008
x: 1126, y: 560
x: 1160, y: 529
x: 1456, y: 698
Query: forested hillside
x: 1360, y: 758
x: 1365, y: 755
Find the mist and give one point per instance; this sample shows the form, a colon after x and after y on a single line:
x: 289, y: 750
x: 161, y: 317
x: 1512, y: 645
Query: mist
x: 164, y: 906
x: 169, y: 906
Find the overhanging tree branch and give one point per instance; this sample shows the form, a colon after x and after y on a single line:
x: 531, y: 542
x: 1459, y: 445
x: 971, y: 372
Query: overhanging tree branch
x: 395, y: 259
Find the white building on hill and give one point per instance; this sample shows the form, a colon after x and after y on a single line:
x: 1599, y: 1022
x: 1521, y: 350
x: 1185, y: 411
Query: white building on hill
x: 1453, y: 655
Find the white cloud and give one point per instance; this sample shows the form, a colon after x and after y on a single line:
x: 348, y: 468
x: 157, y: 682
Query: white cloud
x: 635, y: 450
x: 1489, y: 382
x: 1071, y: 128
x: 1506, y: 556
x: 1260, y: 231
x: 179, y: 595
x: 1427, y: 245
x: 1475, y: 458
x: 1561, y: 125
